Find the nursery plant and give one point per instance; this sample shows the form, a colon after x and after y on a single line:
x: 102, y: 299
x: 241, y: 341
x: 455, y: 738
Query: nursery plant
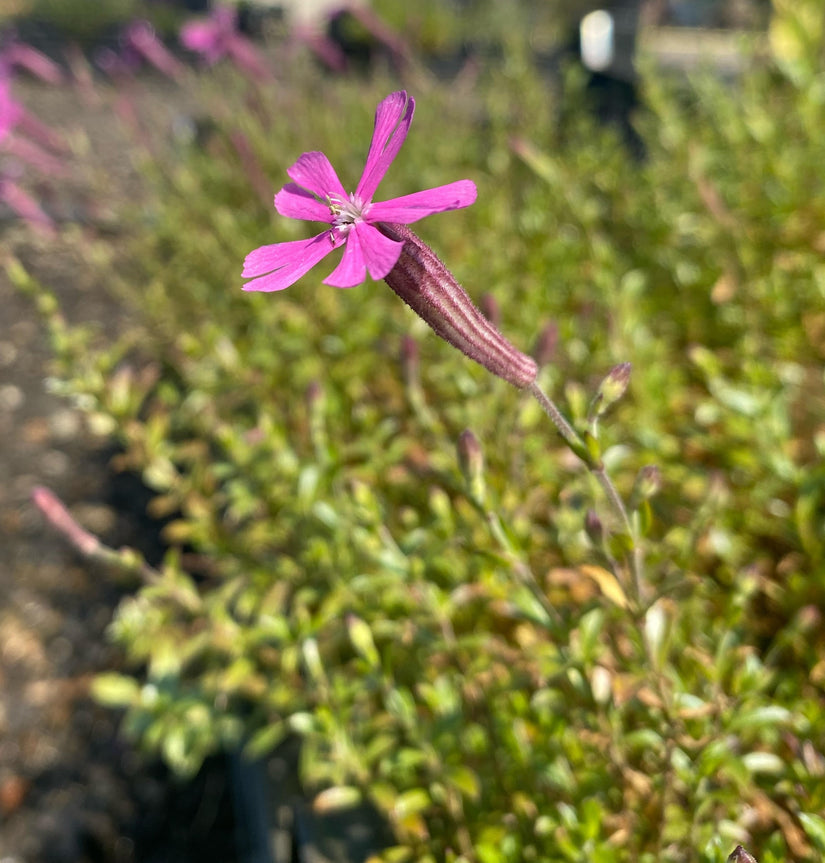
x: 557, y: 595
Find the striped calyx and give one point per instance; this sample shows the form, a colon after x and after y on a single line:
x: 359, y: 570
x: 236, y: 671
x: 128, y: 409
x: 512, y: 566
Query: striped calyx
x: 432, y: 292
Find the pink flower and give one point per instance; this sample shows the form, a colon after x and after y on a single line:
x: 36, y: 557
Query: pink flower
x: 139, y: 44
x: 24, y: 205
x: 353, y: 221
x: 17, y: 128
x: 217, y: 37
x: 14, y: 119
x: 11, y: 111
x: 212, y: 36
x: 16, y: 54
x: 376, y: 239
x: 140, y: 36
x: 11, y: 144
x: 310, y: 23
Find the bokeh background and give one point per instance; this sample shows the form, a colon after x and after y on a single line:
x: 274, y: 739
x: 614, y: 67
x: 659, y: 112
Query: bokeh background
x: 315, y: 628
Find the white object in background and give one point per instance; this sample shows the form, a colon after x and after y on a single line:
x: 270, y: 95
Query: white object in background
x: 596, y: 37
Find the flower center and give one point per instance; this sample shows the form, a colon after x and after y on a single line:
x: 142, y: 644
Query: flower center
x: 346, y: 213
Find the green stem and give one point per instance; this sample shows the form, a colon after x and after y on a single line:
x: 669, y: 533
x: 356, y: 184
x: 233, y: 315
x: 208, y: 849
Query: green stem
x: 597, y: 468
x: 567, y: 431
x: 522, y: 570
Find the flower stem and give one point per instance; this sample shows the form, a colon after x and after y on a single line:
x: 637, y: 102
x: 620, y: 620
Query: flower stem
x: 521, y: 569
x: 567, y: 431
x: 124, y: 560
x: 596, y: 467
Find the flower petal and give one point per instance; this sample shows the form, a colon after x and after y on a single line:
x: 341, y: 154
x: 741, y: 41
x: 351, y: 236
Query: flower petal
x: 313, y: 171
x: 280, y: 265
x: 199, y: 36
x: 367, y: 251
x: 297, y: 203
x: 392, y: 123
x: 352, y: 269
x: 10, y: 110
x: 411, y: 208
x: 380, y: 252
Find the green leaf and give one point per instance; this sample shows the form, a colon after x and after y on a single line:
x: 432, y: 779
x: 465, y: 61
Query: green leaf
x: 412, y: 802
x: 764, y: 716
x: 337, y: 798
x: 768, y: 763
x: 263, y: 741
x: 814, y: 827
x: 116, y: 690
x: 465, y: 780
x: 360, y: 636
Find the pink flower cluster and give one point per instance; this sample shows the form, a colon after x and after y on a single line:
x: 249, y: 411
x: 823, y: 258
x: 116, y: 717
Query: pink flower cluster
x: 24, y: 140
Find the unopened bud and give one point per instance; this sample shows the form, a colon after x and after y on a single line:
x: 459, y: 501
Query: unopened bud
x: 612, y: 388
x: 648, y: 483
x: 593, y: 527
x: 490, y: 309
x: 431, y: 291
x: 739, y: 855
x: 544, y: 349
x: 59, y: 517
x: 471, y: 461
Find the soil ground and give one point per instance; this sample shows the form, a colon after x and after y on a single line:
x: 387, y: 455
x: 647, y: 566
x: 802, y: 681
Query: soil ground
x: 71, y: 789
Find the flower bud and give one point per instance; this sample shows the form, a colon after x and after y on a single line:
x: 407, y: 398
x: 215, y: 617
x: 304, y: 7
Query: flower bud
x: 471, y: 461
x: 593, y: 527
x: 60, y: 518
x: 739, y: 855
x: 544, y: 349
x: 431, y: 291
x: 612, y: 388
x: 648, y: 483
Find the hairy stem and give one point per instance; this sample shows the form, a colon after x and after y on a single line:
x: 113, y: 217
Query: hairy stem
x: 597, y: 468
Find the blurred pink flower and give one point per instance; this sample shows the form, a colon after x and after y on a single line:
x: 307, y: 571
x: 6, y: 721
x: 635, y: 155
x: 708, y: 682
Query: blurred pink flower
x: 14, y: 119
x: 217, y: 37
x: 24, y: 205
x: 353, y: 220
x: 32, y: 154
x: 310, y: 24
x: 139, y: 44
x: 15, y: 54
x: 60, y: 518
x: 10, y: 109
x: 16, y: 149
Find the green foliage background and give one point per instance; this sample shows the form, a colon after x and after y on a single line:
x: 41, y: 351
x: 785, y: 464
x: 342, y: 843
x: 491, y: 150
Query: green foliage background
x: 353, y: 588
